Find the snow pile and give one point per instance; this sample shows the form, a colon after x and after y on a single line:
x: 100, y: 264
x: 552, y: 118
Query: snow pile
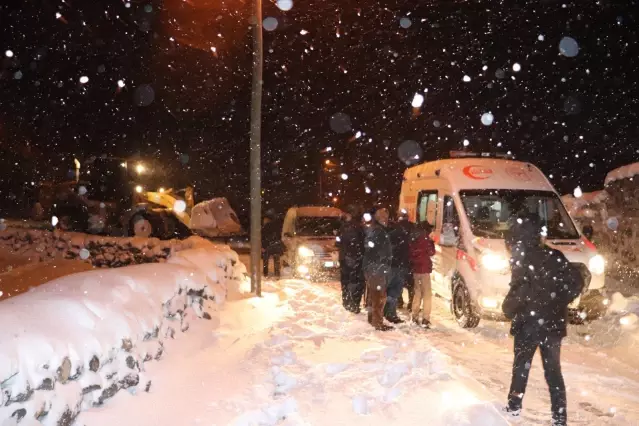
x: 110, y: 252
x: 623, y: 172
x: 76, y: 341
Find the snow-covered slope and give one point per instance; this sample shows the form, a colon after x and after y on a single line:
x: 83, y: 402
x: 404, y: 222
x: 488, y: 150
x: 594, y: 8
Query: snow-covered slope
x: 76, y: 341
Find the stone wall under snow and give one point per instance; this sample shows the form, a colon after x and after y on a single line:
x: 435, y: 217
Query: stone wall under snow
x: 75, y: 342
x: 102, y: 252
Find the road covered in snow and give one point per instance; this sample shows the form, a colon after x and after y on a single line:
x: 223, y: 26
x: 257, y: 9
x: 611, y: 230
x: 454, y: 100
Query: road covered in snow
x: 295, y: 357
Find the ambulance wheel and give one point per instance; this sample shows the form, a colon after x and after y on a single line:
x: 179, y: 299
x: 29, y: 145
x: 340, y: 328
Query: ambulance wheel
x: 462, y: 306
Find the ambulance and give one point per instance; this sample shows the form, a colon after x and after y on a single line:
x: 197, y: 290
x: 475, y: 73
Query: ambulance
x: 470, y: 200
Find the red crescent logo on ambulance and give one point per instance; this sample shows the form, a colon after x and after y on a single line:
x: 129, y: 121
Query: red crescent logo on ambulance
x: 478, y: 172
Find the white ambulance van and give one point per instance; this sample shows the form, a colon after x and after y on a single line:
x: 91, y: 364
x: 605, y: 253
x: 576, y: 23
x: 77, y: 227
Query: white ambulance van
x: 470, y: 200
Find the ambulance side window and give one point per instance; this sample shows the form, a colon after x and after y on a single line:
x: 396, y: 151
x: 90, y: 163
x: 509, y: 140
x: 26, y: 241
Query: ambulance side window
x: 451, y: 216
x: 427, y: 207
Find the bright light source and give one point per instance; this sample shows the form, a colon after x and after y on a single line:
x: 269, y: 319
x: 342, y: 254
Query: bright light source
x: 302, y: 269
x: 54, y: 220
x: 140, y: 168
x: 123, y: 165
x: 494, y: 262
x: 466, y: 142
x: 578, y: 193
x: 304, y: 251
x: 161, y: 190
x: 344, y: 176
x: 335, y: 199
x: 139, y: 189
x: 597, y: 265
x: 120, y: 83
x: 327, y: 162
x: 418, y: 100
x: 84, y: 79
x: 367, y: 217
x: 489, y: 303
x: 179, y: 206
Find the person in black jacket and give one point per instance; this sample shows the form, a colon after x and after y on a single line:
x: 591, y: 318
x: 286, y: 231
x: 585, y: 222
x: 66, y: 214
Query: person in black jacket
x: 351, y: 251
x: 542, y: 286
x: 271, y: 244
x: 400, y: 233
x: 378, y: 256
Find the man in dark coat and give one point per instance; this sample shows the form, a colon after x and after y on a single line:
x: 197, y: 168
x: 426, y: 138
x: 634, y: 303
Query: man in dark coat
x: 351, y: 251
x: 400, y: 233
x: 271, y: 244
x: 543, y: 284
x: 378, y: 256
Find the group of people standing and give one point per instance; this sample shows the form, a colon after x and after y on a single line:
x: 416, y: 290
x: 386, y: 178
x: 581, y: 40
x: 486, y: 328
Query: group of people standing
x: 380, y: 258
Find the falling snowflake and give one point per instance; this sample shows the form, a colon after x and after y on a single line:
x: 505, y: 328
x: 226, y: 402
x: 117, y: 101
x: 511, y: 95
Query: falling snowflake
x: 487, y: 119
x: 516, y: 67
x: 578, y: 193
x: 84, y: 79
x: 120, y: 83
x: 418, y: 100
x: 466, y: 79
x: 8, y: 54
x: 285, y: 5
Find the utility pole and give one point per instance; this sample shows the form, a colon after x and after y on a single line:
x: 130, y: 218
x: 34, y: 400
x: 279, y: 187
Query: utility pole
x: 255, y: 158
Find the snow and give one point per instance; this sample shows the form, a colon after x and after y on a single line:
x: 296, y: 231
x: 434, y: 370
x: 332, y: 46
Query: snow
x: 624, y: 172
x: 318, y: 211
x: 295, y: 357
x: 90, y: 314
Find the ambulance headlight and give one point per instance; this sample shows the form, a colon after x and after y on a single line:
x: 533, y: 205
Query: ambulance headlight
x: 494, y: 262
x: 597, y: 265
x: 304, y: 251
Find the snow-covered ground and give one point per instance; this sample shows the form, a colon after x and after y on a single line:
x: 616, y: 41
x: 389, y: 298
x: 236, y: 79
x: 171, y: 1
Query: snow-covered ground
x: 295, y: 357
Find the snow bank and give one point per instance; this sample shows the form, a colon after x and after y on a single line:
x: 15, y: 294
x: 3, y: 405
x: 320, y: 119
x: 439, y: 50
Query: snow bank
x: 76, y: 341
x: 109, y: 252
x: 623, y: 172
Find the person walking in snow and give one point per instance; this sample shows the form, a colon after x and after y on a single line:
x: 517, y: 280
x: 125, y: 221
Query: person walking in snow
x: 399, y: 232
x: 351, y: 251
x: 422, y: 249
x: 542, y: 286
x: 378, y: 256
x: 271, y: 245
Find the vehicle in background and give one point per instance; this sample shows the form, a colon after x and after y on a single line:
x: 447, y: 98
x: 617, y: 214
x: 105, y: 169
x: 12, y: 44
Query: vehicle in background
x: 120, y: 197
x: 309, y: 237
x: 470, y: 200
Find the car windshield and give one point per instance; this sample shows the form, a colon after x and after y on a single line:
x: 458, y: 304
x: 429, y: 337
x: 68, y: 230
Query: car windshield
x: 317, y: 226
x: 489, y: 211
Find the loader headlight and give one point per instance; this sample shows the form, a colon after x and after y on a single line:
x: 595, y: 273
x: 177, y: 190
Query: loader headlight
x: 139, y: 189
x: 494, y: 262
x: 597, y: 265
x: 304, y: 251
x: 179, y: 206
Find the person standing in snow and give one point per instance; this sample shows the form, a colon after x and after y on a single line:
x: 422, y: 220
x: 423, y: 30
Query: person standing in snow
x: 378, y: 256
x: 400, y: 266
x: 351, y: 251
x: 271, y: 245
x: 543, y: 284
x: 422, y: 249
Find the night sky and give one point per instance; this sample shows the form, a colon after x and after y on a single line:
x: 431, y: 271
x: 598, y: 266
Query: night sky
x: 185, y: 71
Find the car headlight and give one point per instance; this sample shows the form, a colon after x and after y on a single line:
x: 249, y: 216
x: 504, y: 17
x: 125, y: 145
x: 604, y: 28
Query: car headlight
x: 597, y: 265
x: 305, y: 252
x: 494, y: 262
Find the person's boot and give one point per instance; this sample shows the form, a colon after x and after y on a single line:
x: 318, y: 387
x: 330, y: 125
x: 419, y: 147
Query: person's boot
x: 417, y: 321
x: 395, y: 319
x: 425, y: 323
x: 384, y: 327
x: 370, y: 317
x: 513, y: 412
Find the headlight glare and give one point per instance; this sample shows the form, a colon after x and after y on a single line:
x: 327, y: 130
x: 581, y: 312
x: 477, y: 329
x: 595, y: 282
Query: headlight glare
x: 597, y: 265
x: 304, y: 251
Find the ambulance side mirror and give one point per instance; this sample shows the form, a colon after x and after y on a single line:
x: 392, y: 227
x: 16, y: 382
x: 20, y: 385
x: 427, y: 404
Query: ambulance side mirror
x: 448, y: 237
x: 588, y: 231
